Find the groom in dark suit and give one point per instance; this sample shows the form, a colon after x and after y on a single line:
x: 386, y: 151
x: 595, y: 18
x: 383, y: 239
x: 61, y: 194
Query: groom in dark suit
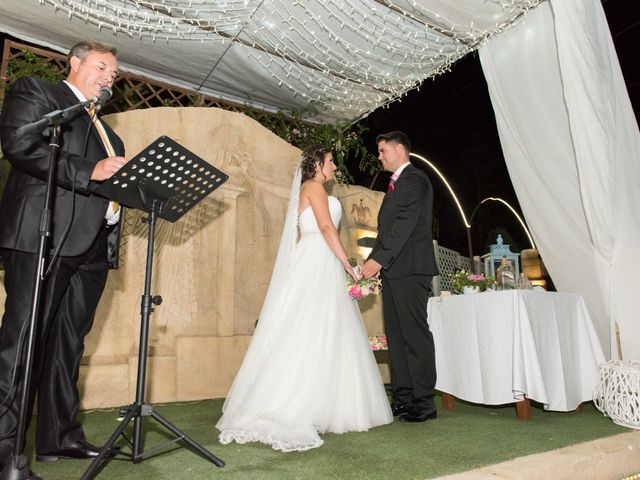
x: 89, y: 153
x: 403, y: 254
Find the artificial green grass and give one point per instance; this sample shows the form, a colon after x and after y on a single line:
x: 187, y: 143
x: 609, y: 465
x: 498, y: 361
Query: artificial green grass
x: 467, y: 437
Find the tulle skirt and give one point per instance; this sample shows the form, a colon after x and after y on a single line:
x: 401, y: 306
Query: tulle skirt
x: 309, y: 368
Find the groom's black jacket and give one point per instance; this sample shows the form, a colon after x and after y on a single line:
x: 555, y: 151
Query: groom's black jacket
x: 404, y: 245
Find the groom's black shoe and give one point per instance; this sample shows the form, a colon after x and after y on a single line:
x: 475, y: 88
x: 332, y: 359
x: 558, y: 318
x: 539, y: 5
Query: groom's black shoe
x: 416, y: 415
x: 78, y: 450
x: 398, y: 408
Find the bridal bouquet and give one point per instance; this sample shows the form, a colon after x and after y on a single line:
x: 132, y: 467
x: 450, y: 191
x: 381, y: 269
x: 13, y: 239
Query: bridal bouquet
x: 364, y: 286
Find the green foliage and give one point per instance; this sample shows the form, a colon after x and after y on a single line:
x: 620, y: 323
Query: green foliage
x: 32, y: 65
x: 345, y: 141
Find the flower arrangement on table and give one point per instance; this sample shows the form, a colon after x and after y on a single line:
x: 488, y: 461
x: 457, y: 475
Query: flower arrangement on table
x: 364, y: 286
x: 463, y: 278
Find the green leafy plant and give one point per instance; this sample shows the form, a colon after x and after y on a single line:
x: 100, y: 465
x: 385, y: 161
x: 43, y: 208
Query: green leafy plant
x: 344, y: 140
x: 33, y: 65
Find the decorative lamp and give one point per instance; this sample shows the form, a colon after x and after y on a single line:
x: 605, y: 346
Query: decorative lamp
x: 497, y: 252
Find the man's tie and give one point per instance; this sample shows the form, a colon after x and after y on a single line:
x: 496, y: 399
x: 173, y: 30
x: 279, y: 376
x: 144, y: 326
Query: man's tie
x: 115, y: 206
x: 392, y: 183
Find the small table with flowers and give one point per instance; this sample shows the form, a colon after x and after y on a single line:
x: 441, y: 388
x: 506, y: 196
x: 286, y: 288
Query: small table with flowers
x: 511, y: 346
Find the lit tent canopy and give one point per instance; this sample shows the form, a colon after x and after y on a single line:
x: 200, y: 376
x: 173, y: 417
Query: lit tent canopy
x: 334, y: 60
x: 565, y: 121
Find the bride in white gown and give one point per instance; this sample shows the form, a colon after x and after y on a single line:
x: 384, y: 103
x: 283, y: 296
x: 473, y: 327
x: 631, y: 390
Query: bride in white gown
x: 309, y: 368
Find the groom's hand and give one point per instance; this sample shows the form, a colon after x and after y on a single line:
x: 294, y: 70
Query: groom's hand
x: 370, y: 268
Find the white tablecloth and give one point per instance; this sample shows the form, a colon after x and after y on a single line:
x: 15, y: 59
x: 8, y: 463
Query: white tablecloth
x: 498, y: 347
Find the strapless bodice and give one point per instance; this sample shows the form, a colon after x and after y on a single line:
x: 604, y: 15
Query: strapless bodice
x: 307, y: 221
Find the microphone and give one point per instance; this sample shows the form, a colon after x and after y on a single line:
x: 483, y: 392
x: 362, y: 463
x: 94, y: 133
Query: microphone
x: 101, y: 99
x: 58, y: 115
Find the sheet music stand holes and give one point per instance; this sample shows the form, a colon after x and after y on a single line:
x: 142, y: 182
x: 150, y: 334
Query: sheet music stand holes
x: 116, y: 182
x: 124, y: 185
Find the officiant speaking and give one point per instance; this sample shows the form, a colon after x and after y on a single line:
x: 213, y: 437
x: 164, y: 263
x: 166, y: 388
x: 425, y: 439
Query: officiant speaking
x: 82, y: 226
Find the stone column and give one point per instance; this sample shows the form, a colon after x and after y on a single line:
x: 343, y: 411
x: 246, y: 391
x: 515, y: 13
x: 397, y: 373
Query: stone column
x: 225, y: 295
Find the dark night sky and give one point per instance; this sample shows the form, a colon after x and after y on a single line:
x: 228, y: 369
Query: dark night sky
x: 451, y: 122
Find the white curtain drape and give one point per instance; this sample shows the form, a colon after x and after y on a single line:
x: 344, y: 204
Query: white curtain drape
x: 572, y: 147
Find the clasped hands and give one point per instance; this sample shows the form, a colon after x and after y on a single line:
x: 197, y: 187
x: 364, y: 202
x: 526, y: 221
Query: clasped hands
x: 368, y: 269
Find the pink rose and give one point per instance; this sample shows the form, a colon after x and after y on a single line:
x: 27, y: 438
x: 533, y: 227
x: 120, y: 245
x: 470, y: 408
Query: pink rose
x: 355, y: 291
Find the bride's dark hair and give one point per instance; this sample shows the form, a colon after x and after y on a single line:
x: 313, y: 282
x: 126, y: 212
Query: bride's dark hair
x: 310, y: 156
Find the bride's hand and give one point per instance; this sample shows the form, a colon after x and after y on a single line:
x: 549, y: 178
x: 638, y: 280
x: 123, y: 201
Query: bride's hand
x: 354, y: 272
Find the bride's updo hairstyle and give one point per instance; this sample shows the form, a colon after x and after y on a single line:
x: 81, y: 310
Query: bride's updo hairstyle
x: 312, y: 155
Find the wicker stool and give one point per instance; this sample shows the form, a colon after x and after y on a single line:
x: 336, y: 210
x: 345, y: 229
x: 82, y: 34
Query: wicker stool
x: 618, y: 392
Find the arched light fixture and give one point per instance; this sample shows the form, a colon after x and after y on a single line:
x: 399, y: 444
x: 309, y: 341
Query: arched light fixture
x: 444, y: 180
x: 497, y: 199
x: 467, y: 224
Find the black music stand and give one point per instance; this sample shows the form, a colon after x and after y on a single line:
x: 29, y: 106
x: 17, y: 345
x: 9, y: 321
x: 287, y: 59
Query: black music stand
x: 165, y: 180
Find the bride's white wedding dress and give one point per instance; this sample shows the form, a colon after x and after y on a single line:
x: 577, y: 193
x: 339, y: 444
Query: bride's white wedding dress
x: 309, y: 368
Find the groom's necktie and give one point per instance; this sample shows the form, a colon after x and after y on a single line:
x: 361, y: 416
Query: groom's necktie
x: 392, y: 182
x: 115, y: 206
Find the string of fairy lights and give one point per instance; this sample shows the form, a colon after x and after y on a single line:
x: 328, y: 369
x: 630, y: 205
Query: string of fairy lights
x: 346, y: 57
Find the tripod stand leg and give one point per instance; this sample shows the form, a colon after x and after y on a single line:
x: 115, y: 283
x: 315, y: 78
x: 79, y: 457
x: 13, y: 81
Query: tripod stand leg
x: 195, y: 445
x: 90, y: 472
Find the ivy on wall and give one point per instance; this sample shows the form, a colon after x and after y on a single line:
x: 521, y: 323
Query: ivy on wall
x: 344, y: 140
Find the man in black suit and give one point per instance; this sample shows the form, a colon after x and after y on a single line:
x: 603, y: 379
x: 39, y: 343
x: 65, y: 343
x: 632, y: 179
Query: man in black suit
x: 80, y: 220
x: 403, y: 254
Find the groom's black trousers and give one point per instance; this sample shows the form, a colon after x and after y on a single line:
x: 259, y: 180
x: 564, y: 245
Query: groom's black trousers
x: 410, y: 342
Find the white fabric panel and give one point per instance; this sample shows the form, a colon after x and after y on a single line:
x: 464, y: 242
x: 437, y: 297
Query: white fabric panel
x: 571, y: 144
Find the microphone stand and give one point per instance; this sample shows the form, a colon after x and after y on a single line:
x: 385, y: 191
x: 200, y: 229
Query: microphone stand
x: 17, y: 464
